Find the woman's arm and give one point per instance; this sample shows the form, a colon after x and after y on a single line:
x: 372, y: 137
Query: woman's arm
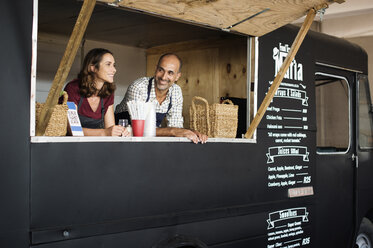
x: 93, y: 132
x: 109, y: 117
x: 110, y: 129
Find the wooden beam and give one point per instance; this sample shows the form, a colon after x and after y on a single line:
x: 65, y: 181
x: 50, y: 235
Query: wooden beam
x: 281, y: 73
x: 65, y: 64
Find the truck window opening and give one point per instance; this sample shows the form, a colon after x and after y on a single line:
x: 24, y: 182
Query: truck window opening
x: 365, y: 115
x: 332, y: 113
x: 207, y: 53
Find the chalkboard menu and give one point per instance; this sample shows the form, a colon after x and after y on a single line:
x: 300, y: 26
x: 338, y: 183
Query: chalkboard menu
x: 287, y: 131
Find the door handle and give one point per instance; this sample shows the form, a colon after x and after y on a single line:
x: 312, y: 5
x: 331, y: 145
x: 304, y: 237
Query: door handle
x: 355, y: 158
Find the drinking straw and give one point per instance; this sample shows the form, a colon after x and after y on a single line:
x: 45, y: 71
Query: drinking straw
x: 136, y: 109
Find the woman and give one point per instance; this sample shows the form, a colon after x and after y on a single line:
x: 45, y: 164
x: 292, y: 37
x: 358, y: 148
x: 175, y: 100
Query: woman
x: 93, y: 94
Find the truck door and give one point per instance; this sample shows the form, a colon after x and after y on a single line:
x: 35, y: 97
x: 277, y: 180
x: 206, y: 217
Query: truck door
x: 364, y: 186
x: 335, y: 156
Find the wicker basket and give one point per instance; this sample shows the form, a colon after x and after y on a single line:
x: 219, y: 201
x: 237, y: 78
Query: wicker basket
x: 57, y: 125
x: 216, y: 120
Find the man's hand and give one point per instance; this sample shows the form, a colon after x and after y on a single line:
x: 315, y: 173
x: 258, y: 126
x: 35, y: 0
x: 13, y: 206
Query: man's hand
x: 194, y: 136
x: 202, y: 137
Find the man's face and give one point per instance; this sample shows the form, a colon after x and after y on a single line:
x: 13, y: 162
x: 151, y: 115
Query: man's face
x: 167, y: 73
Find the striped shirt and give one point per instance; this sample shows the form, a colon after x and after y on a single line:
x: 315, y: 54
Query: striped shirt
x: 138, y: 90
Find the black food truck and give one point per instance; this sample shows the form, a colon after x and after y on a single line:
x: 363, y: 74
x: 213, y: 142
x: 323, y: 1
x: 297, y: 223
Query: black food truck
x: 303, y: 179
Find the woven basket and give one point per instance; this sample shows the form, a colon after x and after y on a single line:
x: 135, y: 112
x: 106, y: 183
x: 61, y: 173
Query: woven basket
x: 57, y: 125
x: 216, y: 120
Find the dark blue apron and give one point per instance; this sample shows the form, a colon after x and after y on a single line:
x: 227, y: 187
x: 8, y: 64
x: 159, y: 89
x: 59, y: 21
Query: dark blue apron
x: 159, y: 116
x: 88, y: 122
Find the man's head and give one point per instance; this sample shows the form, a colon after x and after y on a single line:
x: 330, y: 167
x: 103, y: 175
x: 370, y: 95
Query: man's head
x: 167, y: 71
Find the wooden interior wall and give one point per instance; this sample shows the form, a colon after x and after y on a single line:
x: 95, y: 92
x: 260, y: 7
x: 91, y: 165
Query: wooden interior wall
x: 211, y: 69
x: 233, y: 70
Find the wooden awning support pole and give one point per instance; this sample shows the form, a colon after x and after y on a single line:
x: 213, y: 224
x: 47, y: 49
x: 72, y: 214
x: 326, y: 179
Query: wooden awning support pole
x: 281, y: 73
x: 65, y: 64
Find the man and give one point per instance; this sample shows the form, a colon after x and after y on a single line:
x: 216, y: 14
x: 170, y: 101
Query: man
x: 166, y: 94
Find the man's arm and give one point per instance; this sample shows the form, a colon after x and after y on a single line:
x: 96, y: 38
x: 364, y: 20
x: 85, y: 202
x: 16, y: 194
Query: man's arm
x: 175, y: 115
x: 134, y: 92
x: 194, y: 136
x: 175, y: 121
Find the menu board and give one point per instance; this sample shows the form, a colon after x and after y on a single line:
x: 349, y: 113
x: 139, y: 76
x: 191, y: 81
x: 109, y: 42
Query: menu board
x: 289, y: 120
x: 286, y: 228
x: 287, y: 132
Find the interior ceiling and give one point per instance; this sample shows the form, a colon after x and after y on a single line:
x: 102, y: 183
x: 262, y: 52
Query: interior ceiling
x: 250, y: 17
x: 120, y: 26
x: 115, y: 25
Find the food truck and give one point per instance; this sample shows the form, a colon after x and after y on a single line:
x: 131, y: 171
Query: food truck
x: 302, y: 179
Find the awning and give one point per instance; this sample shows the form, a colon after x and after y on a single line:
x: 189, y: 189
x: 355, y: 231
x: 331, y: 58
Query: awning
x: 250, y: 17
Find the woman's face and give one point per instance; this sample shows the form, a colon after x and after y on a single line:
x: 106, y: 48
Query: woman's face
x: 106, y: 70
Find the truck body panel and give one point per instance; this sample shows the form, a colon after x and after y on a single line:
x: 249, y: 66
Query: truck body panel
x: 282, y: 189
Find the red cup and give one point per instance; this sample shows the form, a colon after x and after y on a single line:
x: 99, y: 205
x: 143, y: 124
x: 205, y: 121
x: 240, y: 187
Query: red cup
x: 138, y: 127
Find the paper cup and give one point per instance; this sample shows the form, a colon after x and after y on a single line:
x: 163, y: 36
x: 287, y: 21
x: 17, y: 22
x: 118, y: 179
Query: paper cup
x: 138, y: 127
x: 150, y: 120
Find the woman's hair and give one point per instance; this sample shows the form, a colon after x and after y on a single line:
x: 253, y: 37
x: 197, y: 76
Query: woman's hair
x: 86, y: 76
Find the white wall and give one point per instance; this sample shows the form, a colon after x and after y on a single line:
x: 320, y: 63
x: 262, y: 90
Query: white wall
x: 357, y: 29
x: 130, y: 63
x: 351, y: 20
x: 349, y: 26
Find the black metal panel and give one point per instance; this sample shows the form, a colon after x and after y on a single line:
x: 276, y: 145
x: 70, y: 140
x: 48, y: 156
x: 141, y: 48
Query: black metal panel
x: 90, y: 183
x: 335, y: 184
x: 94, y: 189
x: 91, y: 174
x: 227, y: 232
x: 365, y: 158
x: 292, y: 106
x: 338, y: 52
x: 333, y: 51
x: 288, y: 130
x: 288, y: 125
x: 334, y: 201
x: 91, y: 189
x: 365, y: 172
x: 137, y: 194
x: 210, y: 232
x: 15, y: 63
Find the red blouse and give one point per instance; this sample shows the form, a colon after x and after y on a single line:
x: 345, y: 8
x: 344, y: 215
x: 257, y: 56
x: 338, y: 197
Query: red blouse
x: 85, y: 109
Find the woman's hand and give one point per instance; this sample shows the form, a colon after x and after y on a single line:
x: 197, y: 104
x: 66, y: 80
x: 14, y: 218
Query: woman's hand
x: 126, y: 132
x: 116, y: 130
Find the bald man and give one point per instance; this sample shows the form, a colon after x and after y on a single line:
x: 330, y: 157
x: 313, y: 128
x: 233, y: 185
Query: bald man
x: 166, y: 94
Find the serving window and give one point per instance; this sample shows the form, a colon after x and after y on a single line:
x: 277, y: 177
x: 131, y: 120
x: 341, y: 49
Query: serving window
x: 216, y: 64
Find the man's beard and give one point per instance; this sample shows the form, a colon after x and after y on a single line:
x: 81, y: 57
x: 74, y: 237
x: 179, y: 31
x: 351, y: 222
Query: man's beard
x: 162, y: 86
